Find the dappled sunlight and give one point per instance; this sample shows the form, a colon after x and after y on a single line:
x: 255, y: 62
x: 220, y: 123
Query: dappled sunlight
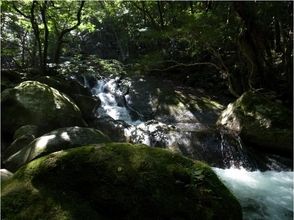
x: 65, y: 136
x: 42, y: 142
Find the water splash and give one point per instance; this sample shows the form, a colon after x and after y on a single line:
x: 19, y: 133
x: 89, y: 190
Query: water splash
x: 262, y: 195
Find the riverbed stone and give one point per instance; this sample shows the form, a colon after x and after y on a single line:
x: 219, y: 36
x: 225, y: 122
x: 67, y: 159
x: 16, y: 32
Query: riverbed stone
x: 117, y: 181
x: 32, y: 102
x: 115, y: 129
x: 56, y: 140
x: 260, y: 122
x: 88, y: 105
x: 26, y: 130
x: 17, y: 145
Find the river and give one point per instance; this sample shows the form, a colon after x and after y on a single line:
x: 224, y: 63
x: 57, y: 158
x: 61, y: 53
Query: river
x: 266, y: 194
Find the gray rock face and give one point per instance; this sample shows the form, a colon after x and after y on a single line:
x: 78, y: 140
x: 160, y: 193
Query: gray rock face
x: 56, y: 140
x: 32, y: 102
x: 260, y: 122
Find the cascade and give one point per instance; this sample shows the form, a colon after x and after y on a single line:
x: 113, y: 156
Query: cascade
x: 262, y: 195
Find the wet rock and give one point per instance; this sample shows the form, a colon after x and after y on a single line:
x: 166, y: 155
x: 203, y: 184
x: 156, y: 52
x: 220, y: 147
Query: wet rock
x: 56, y: 140
x: 88, y: 105
x: 260, y: 122
x: 113, y: 128
x: 117, y: 181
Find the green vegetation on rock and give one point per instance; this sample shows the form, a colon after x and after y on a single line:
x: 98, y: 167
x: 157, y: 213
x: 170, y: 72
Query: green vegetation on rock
x: 35, y: 103
x: 117, y: 181
x: 260, y: 122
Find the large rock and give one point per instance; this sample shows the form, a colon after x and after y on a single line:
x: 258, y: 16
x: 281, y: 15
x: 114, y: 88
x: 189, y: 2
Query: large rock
x: 56, y: 140
x: 35, y: 103
x: 26, y: 130
x: 163, y: 101
x: 88, y: 105
x: 17, y: 145
x: 117, y: 181
x: 260, y: 122
x: 115, y: 129
x: 67, y: 86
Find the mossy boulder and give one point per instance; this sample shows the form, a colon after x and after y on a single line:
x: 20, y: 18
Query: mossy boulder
x: 32, y: 102
x: 67, y: 86
x: 53, y: 141
x: 26, y: 130
x: 260, y: 122
x: 117, y: 181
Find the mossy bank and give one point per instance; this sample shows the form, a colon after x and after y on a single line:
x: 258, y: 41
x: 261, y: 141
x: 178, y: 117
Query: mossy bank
x: 117, y: 181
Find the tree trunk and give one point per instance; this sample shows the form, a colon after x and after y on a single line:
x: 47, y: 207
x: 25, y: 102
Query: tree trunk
x: 36, y: 32
x: 160, y: 14
x: 46, y: 36
x: 253, y: 45
x: 66, y: 31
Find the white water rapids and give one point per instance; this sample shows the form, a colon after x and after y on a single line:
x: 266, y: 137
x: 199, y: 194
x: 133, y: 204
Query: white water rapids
x: 262, y: 195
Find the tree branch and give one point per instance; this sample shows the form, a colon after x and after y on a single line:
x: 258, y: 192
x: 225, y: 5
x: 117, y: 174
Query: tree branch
x: 177, y: 65
x: 20, y: 12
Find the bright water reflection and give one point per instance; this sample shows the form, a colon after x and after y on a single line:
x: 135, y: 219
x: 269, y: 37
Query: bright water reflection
x: 263, y: 195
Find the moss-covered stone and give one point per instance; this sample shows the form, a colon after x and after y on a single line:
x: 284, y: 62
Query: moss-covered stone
x: 26, y: 130
x: 53, y: 141
x: 117, y: 181
x: 35, y: 103
x: 67, y: 86
x: 260, y: 122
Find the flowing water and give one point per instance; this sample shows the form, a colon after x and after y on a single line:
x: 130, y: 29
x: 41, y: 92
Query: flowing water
x: 262, y: 195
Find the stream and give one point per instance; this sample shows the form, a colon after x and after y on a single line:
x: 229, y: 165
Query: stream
x: 263, y: 184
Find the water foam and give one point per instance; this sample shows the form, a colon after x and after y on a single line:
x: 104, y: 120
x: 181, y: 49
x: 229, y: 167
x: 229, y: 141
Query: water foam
x: 262, y: 195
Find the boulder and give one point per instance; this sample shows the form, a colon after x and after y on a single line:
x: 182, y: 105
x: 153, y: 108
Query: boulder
x: 17, y: 145
x: 67, y: 86
x: 32, y: 102
x: 113, y: 128
x: 26, y: 130
x: 88, y: 105
x: 260, y: 122
x: 117, y: 181
x: 5, y: 175
x: 56, y: 140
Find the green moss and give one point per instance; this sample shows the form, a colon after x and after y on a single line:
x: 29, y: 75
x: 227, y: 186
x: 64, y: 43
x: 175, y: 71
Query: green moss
x: 122, y: 181
x: 260, y: 122
x: 35, y: 103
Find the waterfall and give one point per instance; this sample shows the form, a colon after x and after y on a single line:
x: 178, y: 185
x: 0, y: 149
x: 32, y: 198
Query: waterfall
x: 262, y: 195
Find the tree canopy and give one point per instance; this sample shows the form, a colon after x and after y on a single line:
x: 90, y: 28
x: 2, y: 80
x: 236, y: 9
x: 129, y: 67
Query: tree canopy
x: 248, y: 44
